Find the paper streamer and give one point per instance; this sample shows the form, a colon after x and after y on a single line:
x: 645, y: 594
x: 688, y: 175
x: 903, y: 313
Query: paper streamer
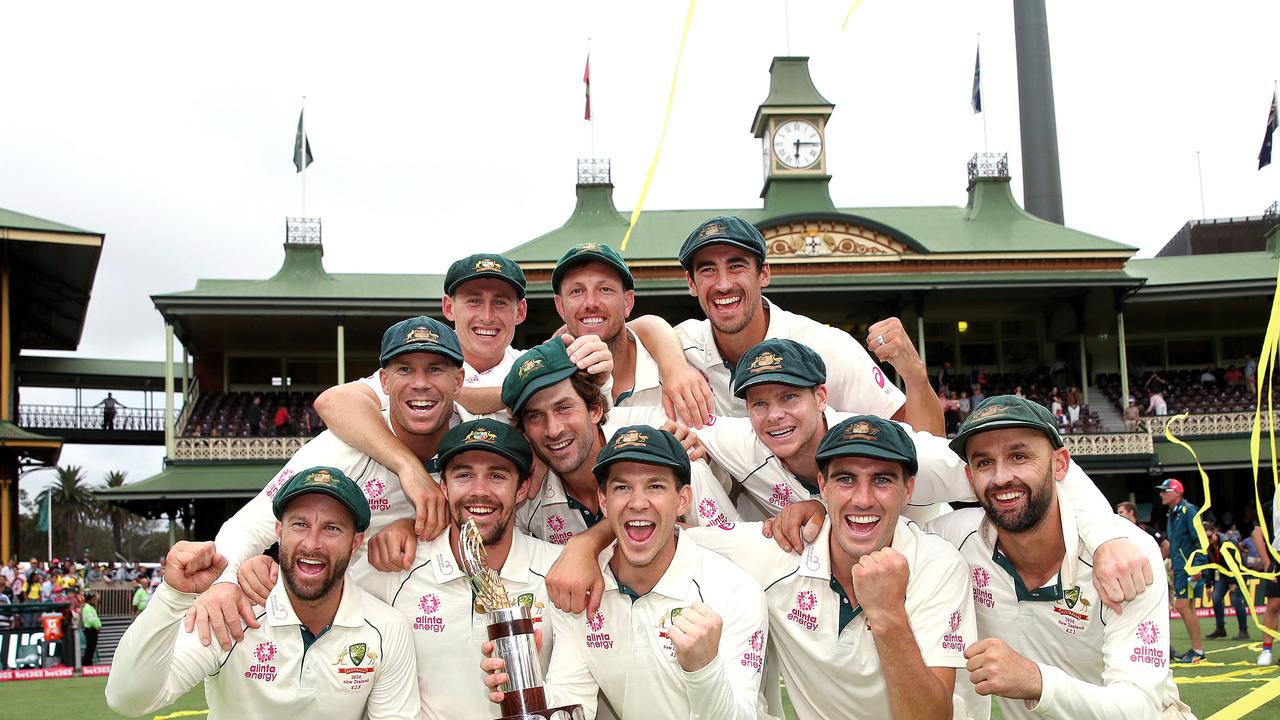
x: 853, y: 7
x: 657, y: 153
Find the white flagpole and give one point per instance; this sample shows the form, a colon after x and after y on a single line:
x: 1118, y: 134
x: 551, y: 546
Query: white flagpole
x: 49, y: 506
x: 592, y: 121
x: 303, y: 115
x: 983, y: 96
x: 1200, y: 175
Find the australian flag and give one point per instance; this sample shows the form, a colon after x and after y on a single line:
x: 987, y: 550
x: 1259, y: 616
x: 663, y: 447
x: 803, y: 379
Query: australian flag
x: 1264, y: 155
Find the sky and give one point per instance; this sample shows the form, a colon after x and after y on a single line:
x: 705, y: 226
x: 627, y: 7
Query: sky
x: 169, y: 127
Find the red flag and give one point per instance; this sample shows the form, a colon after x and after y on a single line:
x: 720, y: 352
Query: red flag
x: 586, y: 80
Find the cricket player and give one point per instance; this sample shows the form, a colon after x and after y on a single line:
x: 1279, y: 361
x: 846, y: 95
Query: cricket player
x: 421, y: 372
x: 325, y: 649
x: 681, y: 630
x: 1049, y: 647
x: 484, y: 471
x: 726, y: 267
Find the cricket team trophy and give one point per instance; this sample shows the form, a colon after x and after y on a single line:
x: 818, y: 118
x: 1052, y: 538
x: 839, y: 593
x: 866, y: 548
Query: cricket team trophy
x: 510, y: 627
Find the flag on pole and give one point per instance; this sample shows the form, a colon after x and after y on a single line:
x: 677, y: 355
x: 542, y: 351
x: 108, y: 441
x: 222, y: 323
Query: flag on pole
x: 301, y: 141
x: 1264, y: 155
x: 44, y: 500
x: 586, y: 80
x: 975, y: 98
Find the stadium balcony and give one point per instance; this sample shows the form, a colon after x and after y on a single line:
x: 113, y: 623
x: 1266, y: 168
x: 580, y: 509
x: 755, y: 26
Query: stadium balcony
x: 221, y: 426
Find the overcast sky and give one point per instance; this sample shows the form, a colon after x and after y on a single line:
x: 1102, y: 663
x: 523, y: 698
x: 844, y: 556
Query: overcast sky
x: 436, y: 126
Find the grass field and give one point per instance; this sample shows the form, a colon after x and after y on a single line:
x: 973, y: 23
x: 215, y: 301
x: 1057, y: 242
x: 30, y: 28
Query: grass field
x: 1228, y: 674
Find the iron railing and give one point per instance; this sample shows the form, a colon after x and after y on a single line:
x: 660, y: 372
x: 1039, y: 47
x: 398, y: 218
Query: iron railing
x: 984, y: 165
x: 302, y: 231
x: 592, y: 171
x: 74, y: 417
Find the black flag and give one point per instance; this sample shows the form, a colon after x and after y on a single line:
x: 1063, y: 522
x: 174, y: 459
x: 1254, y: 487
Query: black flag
x: 299, y: 143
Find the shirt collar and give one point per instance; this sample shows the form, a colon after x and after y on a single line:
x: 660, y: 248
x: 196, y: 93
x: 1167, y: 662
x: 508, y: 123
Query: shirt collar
x: 1070, y: 563
x: 675, y: 582
x: 647, y: 376
x: 280, y: 611
x: 779, y: 327
x: 443, y: 564
x: 816, y: 560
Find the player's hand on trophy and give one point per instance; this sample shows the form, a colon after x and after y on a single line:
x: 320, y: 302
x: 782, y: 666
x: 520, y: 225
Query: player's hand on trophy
x: 695, y: 632
x: 997, y: 669
x: 191, y: 567
x: 431, y: 510
x: 495, y: 668
x: 889, y: 342
x: 222, y: 611
x: 257, y: 577
x: 574, y: 583
x: 880, y: 582
x: 686, y: 396
x: 394, y: 547
x: 590, y: 353
x: 796, y: 525
x: 688, y: 439
x: 1120, y: 572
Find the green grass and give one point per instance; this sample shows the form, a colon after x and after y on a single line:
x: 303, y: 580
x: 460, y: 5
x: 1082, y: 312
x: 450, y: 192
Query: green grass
x: 82, y: 698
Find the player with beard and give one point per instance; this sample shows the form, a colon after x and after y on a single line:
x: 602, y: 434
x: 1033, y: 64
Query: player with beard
x: 726, y: 267
x: 1049, y: 647
x: 286, y: 667
x: 421, y: 372
x: 681, y: 629
x: 484, y: 471
x: 594, y: 294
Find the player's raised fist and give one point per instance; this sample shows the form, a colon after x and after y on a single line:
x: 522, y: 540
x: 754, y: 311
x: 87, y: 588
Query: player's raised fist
x: 889, y: 342
x: 880, y: 581
x: 997, y: 669
x: 695, y: 632
x: 191, y: 567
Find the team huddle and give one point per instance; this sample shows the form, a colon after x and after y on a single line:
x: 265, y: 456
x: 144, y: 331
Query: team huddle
x: 694, y: 515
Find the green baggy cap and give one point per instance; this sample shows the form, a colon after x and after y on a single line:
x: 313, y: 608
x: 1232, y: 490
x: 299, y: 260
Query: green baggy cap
x: 326, y: 481
x: 538, y: 368
x: 484, y: 265
x: 591, y: 252
x: 420, y: 334
x: 869, y: 436
x: 643, y: 444
x: 1005, y: 411
x: 778, y: 361
x: 489, y: 435
x: 723, y: 230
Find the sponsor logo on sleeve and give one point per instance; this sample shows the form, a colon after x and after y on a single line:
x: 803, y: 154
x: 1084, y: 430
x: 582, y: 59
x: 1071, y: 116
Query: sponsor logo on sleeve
x: 278, y: 482
x: 263, y: 669
x: 781, y: 495
x: 429, y: 620
x: 1149, y: 650
x: 951, y: 640
x: 556, y: 532
x: 981, y: 592
x: 597, y: 638
x: 709, y: 514
x: 374, y: 490
x: 754, y: 656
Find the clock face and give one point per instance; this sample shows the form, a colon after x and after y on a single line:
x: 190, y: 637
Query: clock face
x: 797, y: 144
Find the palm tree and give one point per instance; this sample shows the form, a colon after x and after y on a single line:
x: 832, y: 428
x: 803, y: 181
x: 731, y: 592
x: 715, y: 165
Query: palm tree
x: 115, y: 514
x: 73, y: 502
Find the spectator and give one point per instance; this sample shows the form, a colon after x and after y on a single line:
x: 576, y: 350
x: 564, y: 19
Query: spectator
x: 18, y: 588
x: 92, y: 624
x: 34, y: 586
x: 1208, y: 379
x: 311, y: 420
x: 1129, y: 511
x: 254, y: 414
x: 1073, y: 397
x: 978, y: 396
x: 93, y: 574
x: 109, y: 406
x: 1018, y: 392
x: 1064, y: 425
x: 1055, y: 403
x: 951, y: 413
x: 965, y: 407
x: 1233, y: 376
x: 140, y: 596
x: 9, y: 570
x: 1131, y: 416
x: 47, y: 587
x: 1250, y: 372
x: 6, y: 599
x: 282, y: 421
x: 944, y: 378
x: 1156, y: 404
x: 1223, y: 585
x: 1073, y: 412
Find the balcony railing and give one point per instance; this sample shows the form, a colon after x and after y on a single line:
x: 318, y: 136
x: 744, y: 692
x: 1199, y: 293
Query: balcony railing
x: 237, y: 448
x: 985, y: 165
x: 1138, y: 443
x: 1201, y: 424
x: 73, y: 417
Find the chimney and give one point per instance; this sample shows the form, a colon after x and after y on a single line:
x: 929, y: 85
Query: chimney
x: 1041, y: 177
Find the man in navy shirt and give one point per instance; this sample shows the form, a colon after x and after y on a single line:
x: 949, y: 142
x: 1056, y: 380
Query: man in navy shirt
x: 1183, y: 542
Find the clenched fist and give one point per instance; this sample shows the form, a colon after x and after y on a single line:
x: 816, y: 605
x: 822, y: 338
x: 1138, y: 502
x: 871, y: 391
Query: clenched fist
x: 997, y: 669
x: 191, y: 567
x: 896, y: 348
x: 880, y: 582
x: 696, y: 636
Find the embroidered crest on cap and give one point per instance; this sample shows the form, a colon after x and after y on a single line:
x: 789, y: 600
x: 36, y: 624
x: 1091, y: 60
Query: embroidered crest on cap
x: 320, y: 477
x: 421, y: 334
x: 529, y: 366
x: 986, y: 412
x: 765, y: 361
x: 480, y: 435
x: 588, y: 247
x: 861, y: 430
x: 631, y: 438
x: 711, y: 229
x: 488, y: 264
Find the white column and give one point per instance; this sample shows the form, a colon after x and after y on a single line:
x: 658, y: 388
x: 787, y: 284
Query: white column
x: 1084, y: 374
x: 168, y: 390
x: 920, y: 336
x: 342, y: 354
x: 1124, y: 360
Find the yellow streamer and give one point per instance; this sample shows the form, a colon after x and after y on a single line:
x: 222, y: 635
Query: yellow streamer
x: 181, y: 714
x: 657, y: 153
x: 1246, y: 675
x: 1249, y: 703
x: 853, y: 7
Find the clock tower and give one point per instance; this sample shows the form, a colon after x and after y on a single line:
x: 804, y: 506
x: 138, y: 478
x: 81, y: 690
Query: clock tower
x: 792, y: 126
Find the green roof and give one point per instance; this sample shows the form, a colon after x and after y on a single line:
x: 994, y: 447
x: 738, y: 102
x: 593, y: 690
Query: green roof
x: 992, y: 223
x: 21, y: 221
x: 182, y: 481
x: 1202, y: 269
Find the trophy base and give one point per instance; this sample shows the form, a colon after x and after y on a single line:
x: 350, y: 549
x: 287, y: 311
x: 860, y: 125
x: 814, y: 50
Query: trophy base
x: 566, y: 712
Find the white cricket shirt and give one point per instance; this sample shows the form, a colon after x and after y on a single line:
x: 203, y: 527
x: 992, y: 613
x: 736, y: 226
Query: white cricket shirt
x: 623, y: 650
x: 1093, y: 662
x: 647, y: 390
x: 447, y: 633
x: 361, y: 666
x: 855, y: 383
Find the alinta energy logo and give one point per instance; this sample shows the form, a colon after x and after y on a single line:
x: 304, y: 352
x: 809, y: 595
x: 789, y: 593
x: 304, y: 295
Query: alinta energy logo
x: 429, y: 604
x: 263, y: 669
x: 597, y: 638
x: 754, y: 658
x: 781, y: 495
x: 278, y: 482
x: 1149, y: 651
x: 710, y: 511
x: 374, y: 489
x: 981, y: 594
x: 801, y: 614
x: 951, y: 640
x: 557, y: 535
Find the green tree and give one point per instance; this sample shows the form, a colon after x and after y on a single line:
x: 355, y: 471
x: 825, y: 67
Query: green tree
x: 115, y: 514
x: 73, y: 505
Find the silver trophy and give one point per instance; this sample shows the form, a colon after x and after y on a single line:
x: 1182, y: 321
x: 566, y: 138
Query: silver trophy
x: 510, y: 626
